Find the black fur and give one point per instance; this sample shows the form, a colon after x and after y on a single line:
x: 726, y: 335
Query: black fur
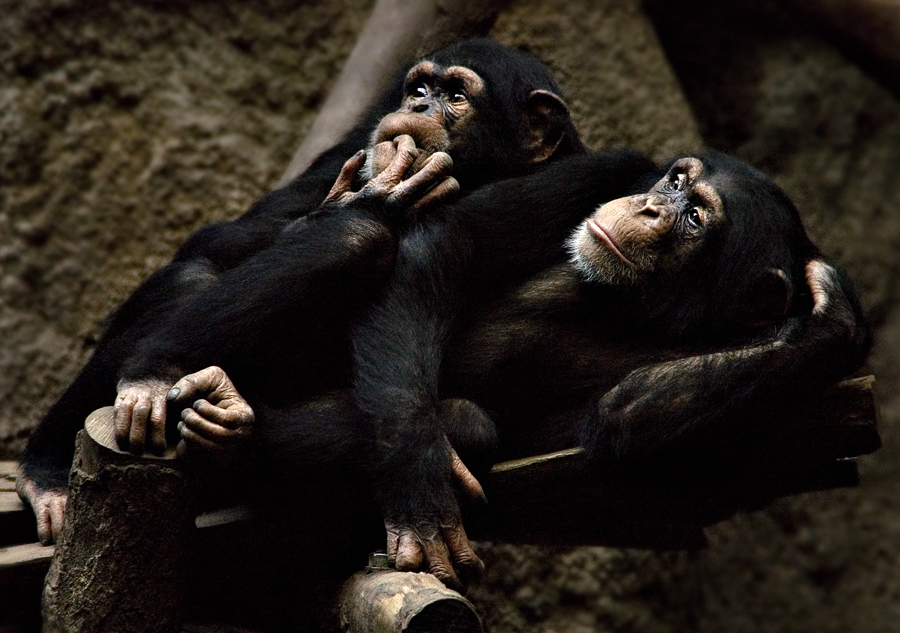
x: 235, y: 288
x: 639, y: 365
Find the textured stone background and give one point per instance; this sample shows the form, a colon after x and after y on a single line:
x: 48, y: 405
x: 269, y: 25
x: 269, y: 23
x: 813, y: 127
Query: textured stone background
x: 126, y: 125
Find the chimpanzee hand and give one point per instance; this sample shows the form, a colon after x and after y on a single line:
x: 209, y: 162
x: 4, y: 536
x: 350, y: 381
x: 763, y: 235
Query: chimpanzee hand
x: 140, y: 415
x: 219, y: 423
x: 427, y: 533
x: 387, y: 191
x: 48, y: 505
x: 656, y: 404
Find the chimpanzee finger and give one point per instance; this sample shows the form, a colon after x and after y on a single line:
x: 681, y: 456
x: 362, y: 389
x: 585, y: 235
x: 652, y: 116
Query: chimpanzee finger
x: 207, y: 430
x: 217, y: 415
x: 816, y: 278
x: 138, y: 434
x: 393, y: 545
x: 443, y: 192
x: 465, y: 560
x: 345, y: 179
x: 406, y: 156
x: 122, y: 413
x: 57, y: 509
x: 205, y: 381
x: 382, y: 155
x: 439, y: 564
x: 433, y: 172
x: 157, y: 431
x: 409, y: 551
x: 194, y: 442
x: 466, y: 480
x: 44, y: 524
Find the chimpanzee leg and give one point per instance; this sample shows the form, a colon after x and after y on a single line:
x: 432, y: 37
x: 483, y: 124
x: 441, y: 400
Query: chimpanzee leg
x: 48, y: 455
x: 276, y: 324
x: 280, y: 322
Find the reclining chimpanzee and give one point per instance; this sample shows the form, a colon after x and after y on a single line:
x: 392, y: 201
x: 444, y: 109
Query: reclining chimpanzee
x: 496, y: 113
x: 679, y: 305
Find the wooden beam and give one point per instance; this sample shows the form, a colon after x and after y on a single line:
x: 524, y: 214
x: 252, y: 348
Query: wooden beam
x: 22, y: 572
x: 664, y: 501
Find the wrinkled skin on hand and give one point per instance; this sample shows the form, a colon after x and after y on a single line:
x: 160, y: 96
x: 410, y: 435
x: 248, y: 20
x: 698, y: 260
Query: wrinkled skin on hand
x: 48, y: 505
x: 219, y: 423
x: 436, y: 541
x: 387, y: 190
x: 216, y: 422
x: 140, y: 415
x: 626, y: 420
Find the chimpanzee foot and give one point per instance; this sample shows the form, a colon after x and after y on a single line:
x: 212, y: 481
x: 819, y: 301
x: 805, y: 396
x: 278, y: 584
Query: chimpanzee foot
x: 440, y: 548
x: 434, y: 540
x: 48, y: 505
x: 219, y: 423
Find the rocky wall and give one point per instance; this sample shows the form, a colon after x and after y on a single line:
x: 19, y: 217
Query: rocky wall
x: 126, y: 125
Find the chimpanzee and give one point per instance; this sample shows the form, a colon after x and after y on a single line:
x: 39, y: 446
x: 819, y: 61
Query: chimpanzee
x: 675, y: 306
x: 496, y: 112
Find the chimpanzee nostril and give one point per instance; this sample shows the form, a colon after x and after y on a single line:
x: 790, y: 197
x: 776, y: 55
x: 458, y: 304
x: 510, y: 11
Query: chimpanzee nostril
x: 419, y: 108
x: 649, y: 209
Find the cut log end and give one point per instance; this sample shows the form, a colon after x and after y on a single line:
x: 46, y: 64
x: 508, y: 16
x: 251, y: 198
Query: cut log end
x: 393, y: 601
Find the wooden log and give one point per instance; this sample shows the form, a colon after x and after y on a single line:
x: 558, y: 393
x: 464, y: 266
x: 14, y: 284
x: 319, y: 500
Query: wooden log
x: 397, y: 32
x: 118, y: 565
x: 395, y: 602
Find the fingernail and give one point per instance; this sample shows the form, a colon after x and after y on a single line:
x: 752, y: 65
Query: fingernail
x: 174, y: 392
x: 181, y: 427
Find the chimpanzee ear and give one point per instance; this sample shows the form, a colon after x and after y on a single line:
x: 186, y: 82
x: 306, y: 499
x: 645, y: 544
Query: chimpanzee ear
x: 547, y: 117
x: 766, y: 299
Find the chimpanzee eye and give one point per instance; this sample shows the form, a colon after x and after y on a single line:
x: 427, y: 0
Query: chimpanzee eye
x: 458, y: 97
x: 418, y: 89
x: 695, y: 216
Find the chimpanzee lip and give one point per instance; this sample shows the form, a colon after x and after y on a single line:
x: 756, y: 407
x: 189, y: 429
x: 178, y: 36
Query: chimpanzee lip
x: 428, y: 134
x: 607, y: 239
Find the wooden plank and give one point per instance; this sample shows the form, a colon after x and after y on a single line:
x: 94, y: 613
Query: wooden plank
x: 17, y: 524
x: 8, y: 475
x: 22, y: 572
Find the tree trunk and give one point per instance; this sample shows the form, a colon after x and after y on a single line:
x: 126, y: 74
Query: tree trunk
x: 118, y: 566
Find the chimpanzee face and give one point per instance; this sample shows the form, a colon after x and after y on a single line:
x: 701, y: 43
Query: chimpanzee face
x: 496, y: 112
x: 627, y: 240
x: 438, y: 107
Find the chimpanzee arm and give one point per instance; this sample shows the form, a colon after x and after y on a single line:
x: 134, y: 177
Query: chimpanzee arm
x: 296, y: 298
x: 226, y: 244
x: 656, y: 404
x: 495, y: 236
